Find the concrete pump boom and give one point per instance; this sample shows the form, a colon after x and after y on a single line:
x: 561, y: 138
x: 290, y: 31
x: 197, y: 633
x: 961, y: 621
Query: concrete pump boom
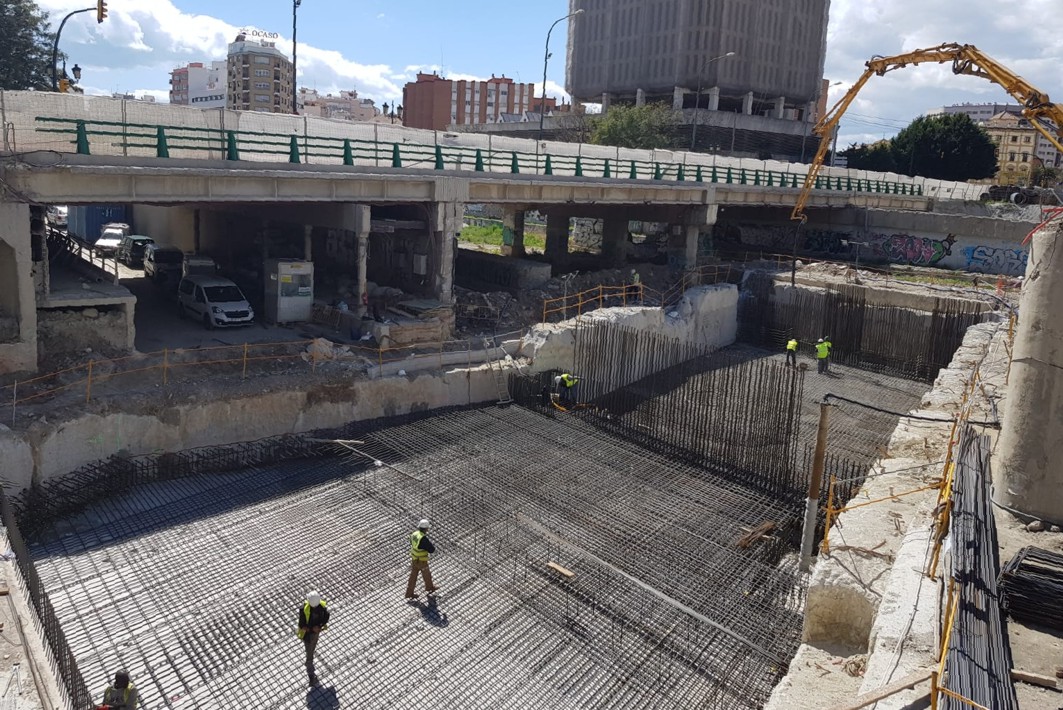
x: 966, y: 59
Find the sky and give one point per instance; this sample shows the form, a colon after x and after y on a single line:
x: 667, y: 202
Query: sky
x: 376, y: 46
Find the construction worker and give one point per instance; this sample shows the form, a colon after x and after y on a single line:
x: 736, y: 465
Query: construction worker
x: 830, y: 351
x: 822, y: 353
x: 564, y: 384
x: 420, y: 548
x: 634, y: 289
x: 791, y: 352
x: 313, y: 619
x: 121, y: 695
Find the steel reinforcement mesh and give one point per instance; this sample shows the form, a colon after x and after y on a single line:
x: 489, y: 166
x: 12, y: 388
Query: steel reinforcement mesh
x: 192, y: 582
x: 901, y: 342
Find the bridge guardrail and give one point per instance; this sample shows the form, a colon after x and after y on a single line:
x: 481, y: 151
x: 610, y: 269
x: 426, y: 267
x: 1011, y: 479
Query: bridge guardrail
x: 235, y: 145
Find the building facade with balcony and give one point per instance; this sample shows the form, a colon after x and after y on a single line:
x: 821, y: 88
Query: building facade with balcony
x: 434, y: 102
x: 1016, y: 143
x: 199, y: 84
x: 1047, y: 153
x: 345, y: 107
x: 259, y: 77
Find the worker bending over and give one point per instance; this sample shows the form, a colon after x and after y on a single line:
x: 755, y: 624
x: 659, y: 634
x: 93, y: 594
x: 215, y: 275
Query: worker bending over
x: 791, y: 352
x: 564, y: 384
x: 420, y: 548
x: 313, y: 619
x: 121, y: 695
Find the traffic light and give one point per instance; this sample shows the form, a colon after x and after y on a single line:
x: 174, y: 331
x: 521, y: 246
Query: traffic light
x: 101, y: 10
x: 64, y: 86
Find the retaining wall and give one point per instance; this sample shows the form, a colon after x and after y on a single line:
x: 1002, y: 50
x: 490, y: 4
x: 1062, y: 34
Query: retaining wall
x: 707, y: 315
x: 961, y: 242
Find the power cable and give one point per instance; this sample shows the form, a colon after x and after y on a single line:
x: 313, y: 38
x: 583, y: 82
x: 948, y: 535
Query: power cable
x: 950, y: 420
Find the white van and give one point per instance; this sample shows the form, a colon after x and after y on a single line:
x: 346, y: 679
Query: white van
x: 214, y: 300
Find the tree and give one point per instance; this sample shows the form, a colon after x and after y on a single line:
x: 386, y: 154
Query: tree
x: 647, y: 127
x: 26, y: 50
x: 1044, y: 176
x: 574, y: 126
x: 877, y: 157
x: 945, y: 147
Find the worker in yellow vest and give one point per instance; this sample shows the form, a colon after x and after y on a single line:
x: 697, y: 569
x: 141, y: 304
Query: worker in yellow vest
x: 564, y: 384
x: 121, y: 695
x: 420, y: 548
x: 791, y: 352
x: 313, y: 619
x: 822, y: 353
x: 830, y: 351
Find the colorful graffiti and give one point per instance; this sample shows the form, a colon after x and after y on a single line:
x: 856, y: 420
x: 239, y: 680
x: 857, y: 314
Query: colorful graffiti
x: 910, y: 250
x: 990, y: 260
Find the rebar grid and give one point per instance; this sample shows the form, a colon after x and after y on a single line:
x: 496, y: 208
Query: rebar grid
x: 192, y: 584
x: 902, y: 342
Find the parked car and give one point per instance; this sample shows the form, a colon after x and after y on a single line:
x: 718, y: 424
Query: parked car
x: 110, y: 237
x: 57, y: 216
x: 163, y: 264
x: 198, y: 265
x: 131, y: 250
x: 214, y: 300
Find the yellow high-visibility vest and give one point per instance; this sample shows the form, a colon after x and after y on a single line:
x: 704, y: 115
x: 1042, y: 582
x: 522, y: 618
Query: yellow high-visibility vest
x: 415, y: 540
x: 306, y: 615
x: 568, y: 380
x: 822, y: 351
x: 791, y: 344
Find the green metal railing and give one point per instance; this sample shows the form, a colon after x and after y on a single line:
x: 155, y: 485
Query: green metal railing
x: 295, y: 148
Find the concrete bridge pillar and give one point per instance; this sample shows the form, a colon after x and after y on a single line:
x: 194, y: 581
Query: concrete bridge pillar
x: 607, y: 99
x: 1027, y: 475
x: 683, y: 243
x: 747, y: 104
x: 614, y: 240
x: 358, y: 219
x: 714, y: 99
x: 780, y: 107
x: 18, y: 306
x: 678, y: 96
x: 308, y: 252
x: 557, y: 239
x: 513, y: 232
x: 446, y: 226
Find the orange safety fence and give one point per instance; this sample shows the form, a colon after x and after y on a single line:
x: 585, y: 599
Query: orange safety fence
x: 602, y: 296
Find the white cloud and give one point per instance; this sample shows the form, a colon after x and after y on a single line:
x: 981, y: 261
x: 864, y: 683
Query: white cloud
x: 1024, y: 38
x: 143, y: 40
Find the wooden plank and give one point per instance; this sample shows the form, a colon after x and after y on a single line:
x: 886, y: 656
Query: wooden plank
x: 558, y: 568
x: 885, y: 691
x: 1035, y: 679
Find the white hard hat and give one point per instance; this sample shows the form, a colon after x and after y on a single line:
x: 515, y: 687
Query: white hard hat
x: 423, y: 525
x: 313, y: 598
x: 820, y: 340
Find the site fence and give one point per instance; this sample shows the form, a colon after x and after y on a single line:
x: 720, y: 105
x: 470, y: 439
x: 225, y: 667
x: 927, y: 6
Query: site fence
x: 167, y: 367
x: 897, y: 341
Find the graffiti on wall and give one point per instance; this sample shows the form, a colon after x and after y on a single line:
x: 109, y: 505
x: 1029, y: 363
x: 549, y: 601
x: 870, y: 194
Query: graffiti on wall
x: 991, y: 260
x: 894, y: 248
x: 909, y: 250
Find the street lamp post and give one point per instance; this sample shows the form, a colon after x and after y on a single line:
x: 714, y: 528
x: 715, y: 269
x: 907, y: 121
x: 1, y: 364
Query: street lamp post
x: 697, y: 98
x: 55, y: 46
x: 295, y: 46
x: 546, y: 60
